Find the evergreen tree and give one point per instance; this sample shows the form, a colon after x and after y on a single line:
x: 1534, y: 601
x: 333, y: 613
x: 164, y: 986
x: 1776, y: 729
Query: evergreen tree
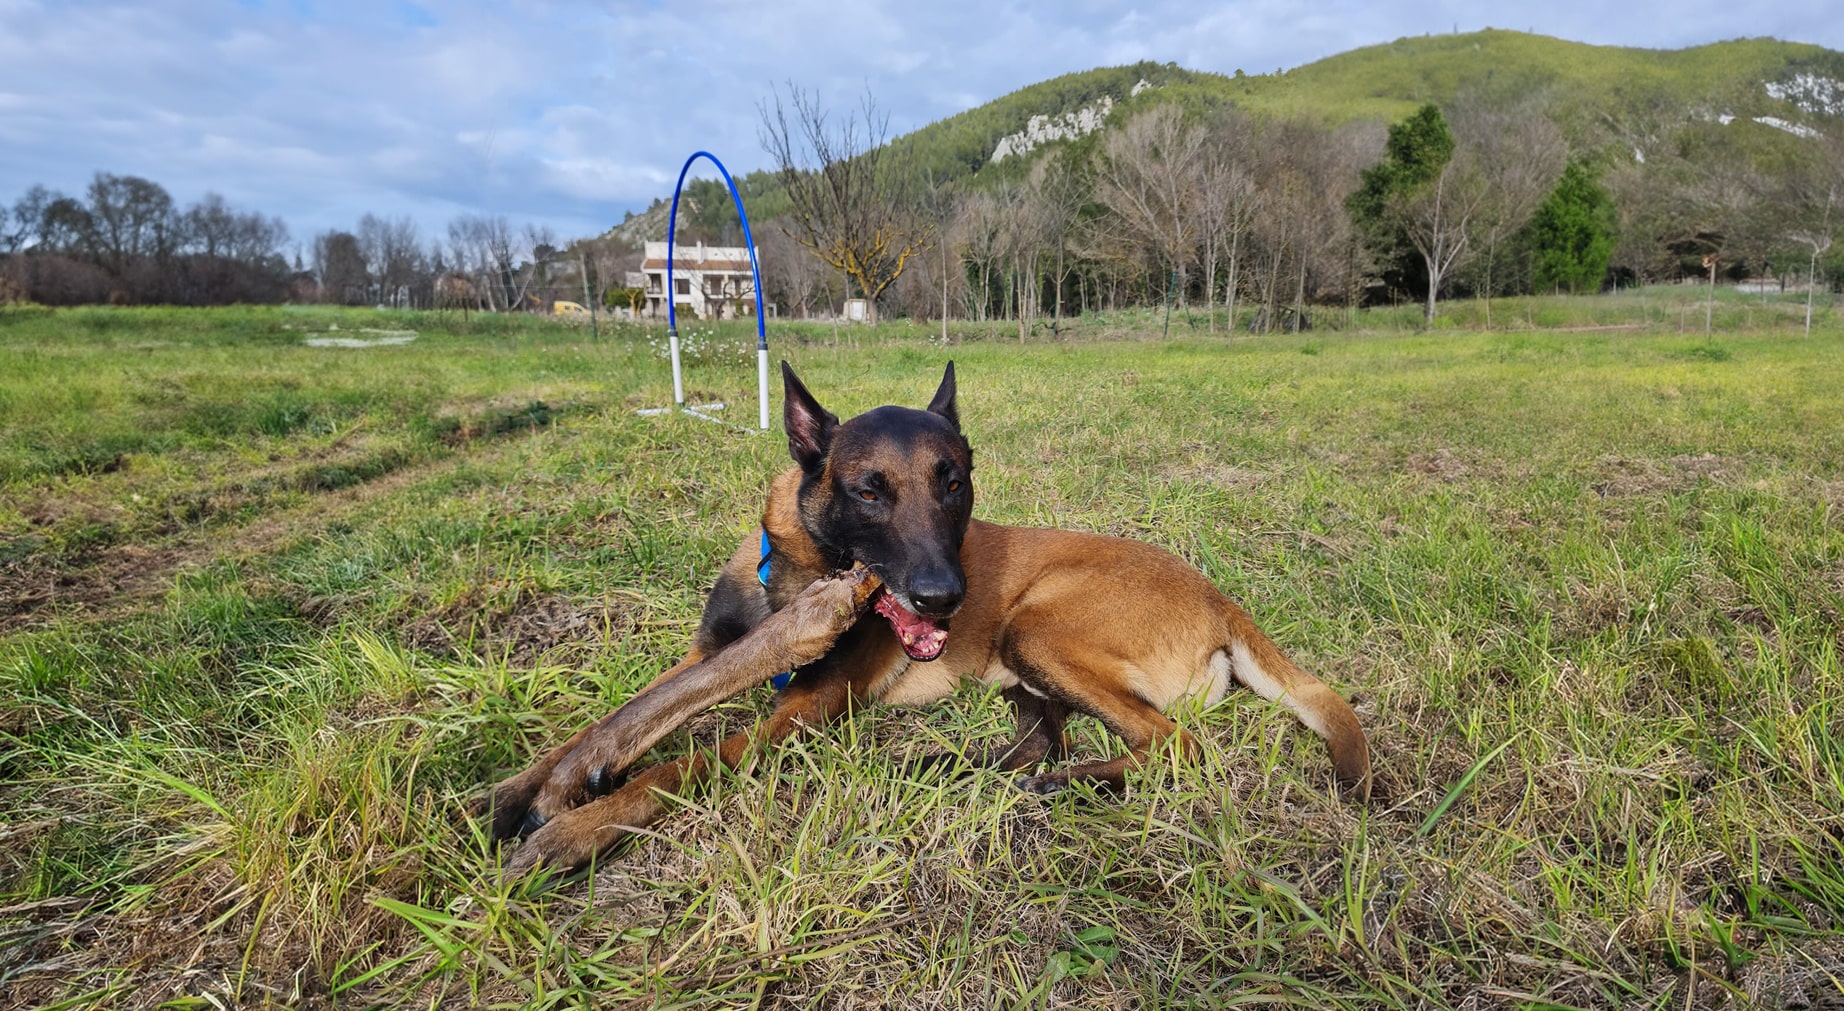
x: 1418, y: 148
x: 1572, y: 234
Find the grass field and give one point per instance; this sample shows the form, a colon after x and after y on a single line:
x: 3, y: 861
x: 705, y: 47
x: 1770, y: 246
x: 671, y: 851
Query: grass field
x: 270, y: 614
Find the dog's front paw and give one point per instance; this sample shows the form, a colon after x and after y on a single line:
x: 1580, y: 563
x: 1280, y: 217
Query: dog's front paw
x: 565, y: 843
x: 508, y: 806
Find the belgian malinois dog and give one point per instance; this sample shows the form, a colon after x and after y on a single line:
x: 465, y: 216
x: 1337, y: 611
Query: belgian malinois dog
x: 1062, y: 622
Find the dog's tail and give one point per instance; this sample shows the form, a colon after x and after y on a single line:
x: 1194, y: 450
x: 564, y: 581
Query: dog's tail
x: 1257, y: 662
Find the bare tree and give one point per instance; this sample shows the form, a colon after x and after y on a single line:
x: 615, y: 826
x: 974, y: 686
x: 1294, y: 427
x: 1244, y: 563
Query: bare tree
x: 938, y: 207
x: 1519, y: 153
x: 1440, y: 217
x: 540, y: 243
x: 29, y: 218
x: 1026, y: 228
x: 980, y: 234
x: 1148, y: 177
x: 393, y: 255
x: 793, y: 274
x: 1815, y: 195
x: 846, y: 189
x: 129, y: 218
x: 1227, y: 205
x: 339, y: 265
x: 489, y: 248
x: 1059, y: 190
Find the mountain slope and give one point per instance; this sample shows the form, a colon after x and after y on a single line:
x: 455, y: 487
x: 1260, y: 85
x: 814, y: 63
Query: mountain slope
x: 1767, y: 91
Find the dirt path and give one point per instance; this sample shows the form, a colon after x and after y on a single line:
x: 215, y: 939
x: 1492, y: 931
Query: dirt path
x: 119, y: 578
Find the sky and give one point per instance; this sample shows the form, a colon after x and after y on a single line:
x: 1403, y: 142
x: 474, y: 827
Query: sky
x: 568, y: 114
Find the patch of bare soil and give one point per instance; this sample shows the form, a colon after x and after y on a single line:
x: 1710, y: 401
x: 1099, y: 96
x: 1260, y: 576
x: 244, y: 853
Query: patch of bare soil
x: 1442, y: 464
x: 30, y: 590
x: 1622, y: 477
x: 518, y: 624
x: 1221, y: 475
x: 112, y: 578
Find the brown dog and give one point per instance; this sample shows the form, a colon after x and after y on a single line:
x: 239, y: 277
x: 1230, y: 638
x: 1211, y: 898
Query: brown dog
x: 1061, y: 621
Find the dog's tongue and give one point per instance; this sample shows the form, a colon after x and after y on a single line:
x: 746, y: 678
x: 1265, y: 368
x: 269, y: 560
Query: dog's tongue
x: 922, y: 638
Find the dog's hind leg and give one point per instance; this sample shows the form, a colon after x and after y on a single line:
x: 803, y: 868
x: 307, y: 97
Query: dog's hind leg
x: 1135, y: 722
x: 1043, y: 656
x: 1039, y: 738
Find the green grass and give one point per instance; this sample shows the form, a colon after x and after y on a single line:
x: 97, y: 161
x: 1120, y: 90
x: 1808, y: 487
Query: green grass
x: 270, y: 614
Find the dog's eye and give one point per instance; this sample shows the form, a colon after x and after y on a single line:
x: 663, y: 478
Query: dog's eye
x: 868, y: 496
x: 953, y: 485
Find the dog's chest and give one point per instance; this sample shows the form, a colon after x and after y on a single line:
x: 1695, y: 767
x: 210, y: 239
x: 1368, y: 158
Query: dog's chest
x: 913, y: 684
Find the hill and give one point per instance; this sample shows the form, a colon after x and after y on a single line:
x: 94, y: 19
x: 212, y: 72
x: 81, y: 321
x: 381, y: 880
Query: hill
x: 1768, y: 92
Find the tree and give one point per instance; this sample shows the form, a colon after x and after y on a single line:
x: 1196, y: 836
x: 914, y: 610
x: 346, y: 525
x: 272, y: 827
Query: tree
x: 1572, y: 233
x: 1813, y: 196
x: 1060, y: 189
x: 1227, y: 207
x: 129, y: 218
x: 1299, y: 234
x: 790, y: 271
x: 1439, y: 219
x: 29, y: 218
x: 847, y: 190
x: 339, y: 264
x: 393, y: 255
x: 1148, y: 176
x: 1417, y: 151
x: 488, y: 247
x: 1519, y: 153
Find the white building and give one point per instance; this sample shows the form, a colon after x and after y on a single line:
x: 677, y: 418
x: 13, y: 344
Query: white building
x: 713, y: 281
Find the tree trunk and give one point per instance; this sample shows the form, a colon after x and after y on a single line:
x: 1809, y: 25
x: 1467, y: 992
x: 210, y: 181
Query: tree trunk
x: 1299, y: 295
x: 1229, y: 295
x: 1210, y: 285
x: 944, y: 291
x: 1056, y: 319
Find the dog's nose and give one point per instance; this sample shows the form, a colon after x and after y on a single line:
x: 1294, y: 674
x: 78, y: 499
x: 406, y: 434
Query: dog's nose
x: 937, y: 597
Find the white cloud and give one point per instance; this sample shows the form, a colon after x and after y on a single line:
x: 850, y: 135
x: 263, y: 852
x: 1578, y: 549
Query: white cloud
x: 568, y: 114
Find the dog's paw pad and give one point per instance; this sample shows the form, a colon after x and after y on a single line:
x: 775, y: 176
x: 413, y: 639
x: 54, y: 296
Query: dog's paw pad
x: 1043, y: 786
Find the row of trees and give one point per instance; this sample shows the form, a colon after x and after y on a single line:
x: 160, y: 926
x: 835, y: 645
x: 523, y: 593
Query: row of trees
x: 125, y: 240
x: 1207, y: 207
x: 1218, y: 207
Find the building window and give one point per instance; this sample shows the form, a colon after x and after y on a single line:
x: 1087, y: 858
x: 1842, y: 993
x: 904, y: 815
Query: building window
x: 713, y: 286
x: 654, y: 286
x: 684, y: 285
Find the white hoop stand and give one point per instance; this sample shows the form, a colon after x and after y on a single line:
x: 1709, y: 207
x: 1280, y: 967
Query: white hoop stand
x: 762, y: 385
x: 697, y: 410
x: 672, y: 328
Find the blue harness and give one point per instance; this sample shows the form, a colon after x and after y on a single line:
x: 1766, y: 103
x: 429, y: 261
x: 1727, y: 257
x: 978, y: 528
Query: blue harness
x: 762, y: 569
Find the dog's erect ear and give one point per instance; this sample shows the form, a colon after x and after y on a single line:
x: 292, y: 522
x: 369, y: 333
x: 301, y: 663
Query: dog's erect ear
x: 809, y: 425
x: 943, y: 404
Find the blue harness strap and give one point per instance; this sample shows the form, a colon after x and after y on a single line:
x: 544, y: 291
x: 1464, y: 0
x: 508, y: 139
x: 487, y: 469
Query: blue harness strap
x: 781, y: 680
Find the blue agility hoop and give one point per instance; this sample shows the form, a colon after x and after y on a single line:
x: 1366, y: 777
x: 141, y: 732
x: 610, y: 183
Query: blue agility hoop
x: 755, y: 269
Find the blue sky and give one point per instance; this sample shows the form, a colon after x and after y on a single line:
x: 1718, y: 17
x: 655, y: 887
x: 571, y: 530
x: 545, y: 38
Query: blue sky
x: 568, y: 114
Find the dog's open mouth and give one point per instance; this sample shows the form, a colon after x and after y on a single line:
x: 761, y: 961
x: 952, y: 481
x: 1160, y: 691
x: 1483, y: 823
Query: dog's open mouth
x: 922, y: 638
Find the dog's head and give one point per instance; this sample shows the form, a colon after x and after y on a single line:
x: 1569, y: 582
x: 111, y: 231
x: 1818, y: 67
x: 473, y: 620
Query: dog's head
x: 892, y: 488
